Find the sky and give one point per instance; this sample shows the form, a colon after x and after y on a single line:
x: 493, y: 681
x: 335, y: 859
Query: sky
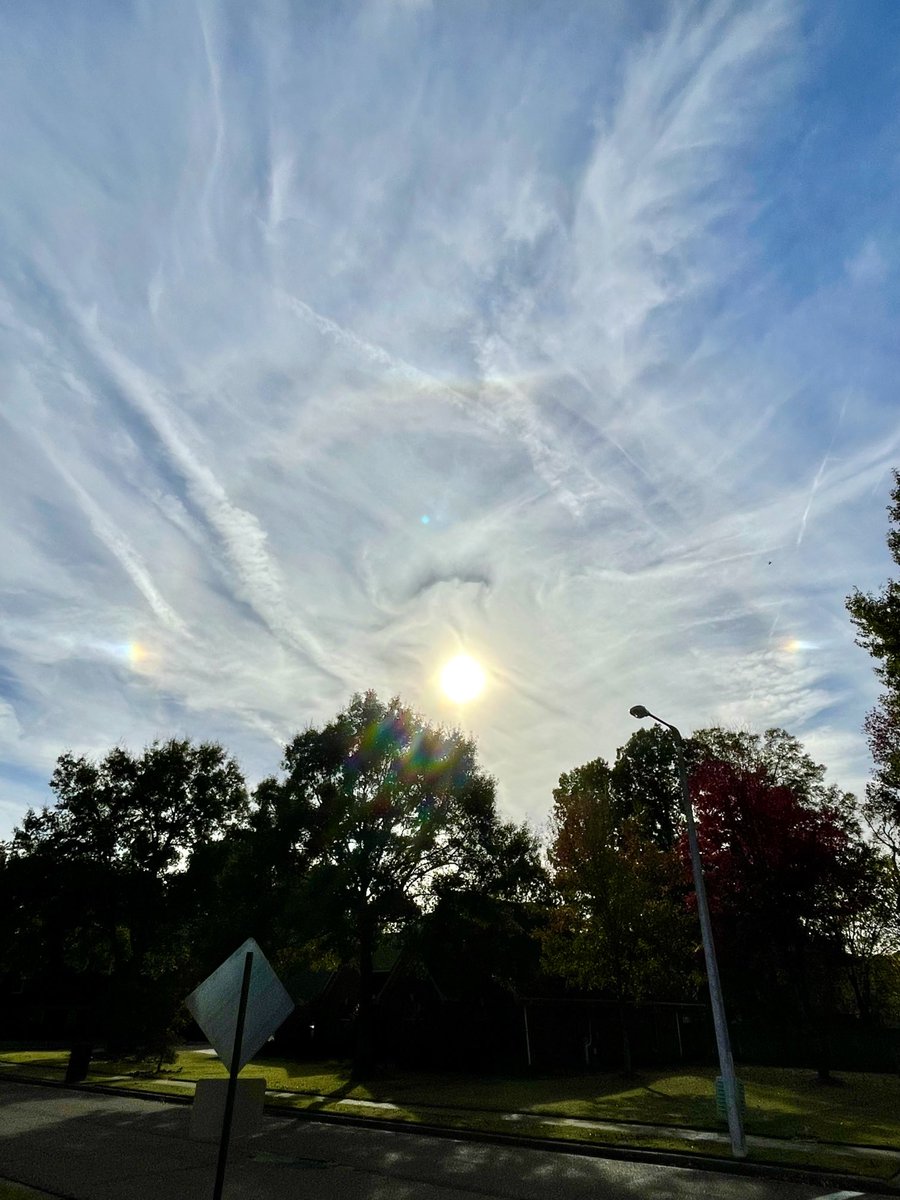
x: 338, y: 339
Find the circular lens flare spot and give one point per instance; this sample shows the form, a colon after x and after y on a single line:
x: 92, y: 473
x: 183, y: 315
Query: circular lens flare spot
x: 462, y: 679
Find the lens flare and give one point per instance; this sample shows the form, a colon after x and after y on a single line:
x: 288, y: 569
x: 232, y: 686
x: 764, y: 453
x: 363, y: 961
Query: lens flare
x: 462, y: 679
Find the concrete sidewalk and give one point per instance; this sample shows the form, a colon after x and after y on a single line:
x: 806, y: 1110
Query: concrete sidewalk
x: 633, y: 1129
x: 711, y: 1137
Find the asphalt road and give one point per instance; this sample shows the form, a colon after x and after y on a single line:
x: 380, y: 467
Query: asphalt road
x: 95, y: 1147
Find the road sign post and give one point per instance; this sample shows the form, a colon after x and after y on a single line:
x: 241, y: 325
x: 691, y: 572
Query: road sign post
x: 239, y: 1006
x: 232, y: 1077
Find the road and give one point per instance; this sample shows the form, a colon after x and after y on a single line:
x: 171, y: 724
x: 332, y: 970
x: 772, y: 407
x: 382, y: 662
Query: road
x: 105, y: 1147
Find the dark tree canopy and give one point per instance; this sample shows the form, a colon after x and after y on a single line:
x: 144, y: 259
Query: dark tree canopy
x: 646, y: 786
x: 620, y: 926
x: 780, y: 875
x: 379, y: 804
x: 871, y: 933
x: 779, y: 756
x: 877, y: 620
x: 645, y: 783
x: 377, y: 807
x: 93, y: 912
x: 479, y: 938
x: 143, y: 813
x: 381, y: 834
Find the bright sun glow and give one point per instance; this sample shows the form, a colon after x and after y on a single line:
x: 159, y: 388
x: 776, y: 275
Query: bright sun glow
x: 462, y: 679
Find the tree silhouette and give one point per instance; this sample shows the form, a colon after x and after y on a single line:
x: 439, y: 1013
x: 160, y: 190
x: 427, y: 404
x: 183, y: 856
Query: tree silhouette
x: 621, y: 925
x: 782, y: 878
x: 91, y: 907
x: 877, y: 620
x: 379, y: 806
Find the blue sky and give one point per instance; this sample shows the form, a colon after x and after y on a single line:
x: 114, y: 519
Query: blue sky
x: 606, y: 292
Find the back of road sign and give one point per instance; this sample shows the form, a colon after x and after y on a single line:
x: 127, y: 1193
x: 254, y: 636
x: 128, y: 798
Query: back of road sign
x: 214, y: 1004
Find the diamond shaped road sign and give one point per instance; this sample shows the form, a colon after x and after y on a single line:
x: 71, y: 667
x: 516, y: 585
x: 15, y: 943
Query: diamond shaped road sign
x: 214, y: 1004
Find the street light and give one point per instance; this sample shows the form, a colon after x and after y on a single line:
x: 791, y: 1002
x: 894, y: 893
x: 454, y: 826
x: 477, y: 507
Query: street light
x: 723, y: 1043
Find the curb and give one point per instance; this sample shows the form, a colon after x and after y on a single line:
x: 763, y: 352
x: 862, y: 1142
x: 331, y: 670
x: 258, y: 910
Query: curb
x: 682, y: 1159
x: 30, y: 1187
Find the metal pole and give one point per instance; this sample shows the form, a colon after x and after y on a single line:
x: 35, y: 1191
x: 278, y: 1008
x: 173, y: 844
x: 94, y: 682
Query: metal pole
x: 232, y: 1078
x: 723, y: 1043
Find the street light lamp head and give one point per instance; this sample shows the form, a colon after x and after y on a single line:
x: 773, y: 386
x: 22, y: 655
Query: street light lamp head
x: 639, y: 711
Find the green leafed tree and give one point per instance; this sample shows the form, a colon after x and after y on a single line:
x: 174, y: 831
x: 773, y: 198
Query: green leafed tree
x: 93, y: 915
x: 377, y: 807
x: 620, y: 926
x: 143, y: 813
x: 645, y: 785
x: 480, y: 935
x: 876, y: 616
x: 871, y: 935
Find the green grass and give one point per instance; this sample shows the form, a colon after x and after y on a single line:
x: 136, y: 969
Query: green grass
x: 17, y: 1191
x: 781, y: 1102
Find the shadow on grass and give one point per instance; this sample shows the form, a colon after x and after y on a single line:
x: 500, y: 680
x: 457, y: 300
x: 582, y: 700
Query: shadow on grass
x: 341, y: 1093
x: 781, y: 1102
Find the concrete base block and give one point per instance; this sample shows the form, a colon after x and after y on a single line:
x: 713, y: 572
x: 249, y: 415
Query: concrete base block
x: 208, y: 1109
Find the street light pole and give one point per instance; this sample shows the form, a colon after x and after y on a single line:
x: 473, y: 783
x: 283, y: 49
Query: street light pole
x: 723, y: 1042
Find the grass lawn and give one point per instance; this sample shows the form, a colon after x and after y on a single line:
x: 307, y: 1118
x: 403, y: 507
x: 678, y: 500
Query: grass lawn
x: 17, y: 1191
x: 781, y: 1102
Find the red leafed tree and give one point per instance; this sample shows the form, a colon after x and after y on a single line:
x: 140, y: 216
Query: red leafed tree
x: 781, y: 882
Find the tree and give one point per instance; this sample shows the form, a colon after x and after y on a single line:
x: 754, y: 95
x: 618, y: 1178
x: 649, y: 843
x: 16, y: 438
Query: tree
x: 780, y: 757
x: 872, y: 938
x: 145, y: 813
x: 378, y: 806
x: 483, y: 925
x: 91, y: 880
x: 645, y: 784
x: 877, y: 620
x: 782, y: 881
x: 621, y: 925
x: 251, y: 882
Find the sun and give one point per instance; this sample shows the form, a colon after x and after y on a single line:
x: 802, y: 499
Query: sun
x: 462, y: 679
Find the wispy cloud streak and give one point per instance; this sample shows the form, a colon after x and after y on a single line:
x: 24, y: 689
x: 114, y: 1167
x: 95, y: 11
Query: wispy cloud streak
x: 334, y: 342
